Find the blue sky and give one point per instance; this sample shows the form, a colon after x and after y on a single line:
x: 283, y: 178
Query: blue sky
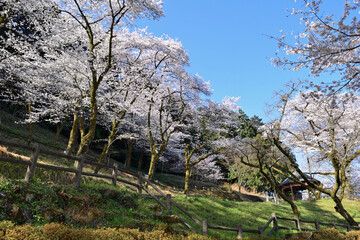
x: 228, y: 45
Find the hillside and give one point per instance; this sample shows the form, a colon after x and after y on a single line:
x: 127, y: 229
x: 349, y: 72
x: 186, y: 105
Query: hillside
x: 51, y: 198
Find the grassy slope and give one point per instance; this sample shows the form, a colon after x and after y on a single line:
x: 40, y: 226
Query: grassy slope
x: 253, y: 215
x: 218, y: 212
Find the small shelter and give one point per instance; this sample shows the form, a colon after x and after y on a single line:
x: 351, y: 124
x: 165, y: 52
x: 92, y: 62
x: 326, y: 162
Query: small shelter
x: 288, y: 186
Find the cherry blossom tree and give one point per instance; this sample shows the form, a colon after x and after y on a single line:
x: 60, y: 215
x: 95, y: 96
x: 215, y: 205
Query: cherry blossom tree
x: 328, y: 43
x: 207, y: 136
x: 33, y: 52
x: 101, y: 26
x: 260, y: 154
x: 326, y: 126
x: 169, y: 105
x: 149, y: 60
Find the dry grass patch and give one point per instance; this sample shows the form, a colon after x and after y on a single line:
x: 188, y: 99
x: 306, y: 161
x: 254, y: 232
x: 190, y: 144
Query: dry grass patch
x: 5, y: 153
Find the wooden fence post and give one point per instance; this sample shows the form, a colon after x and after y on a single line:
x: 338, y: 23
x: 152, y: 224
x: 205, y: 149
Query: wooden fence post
x: 348, y: 227
x: 297, y: 223
x: 140, y: 182
x: 205, y: 228
x: 31, y: 169
x: 79, y: 167
x: 275, y: 222
x: 115, y: 174
x: 334, y: 225
x: 168, y: 202
x: 261, y: 231
x: 317, y: 224
x: 239, y: 232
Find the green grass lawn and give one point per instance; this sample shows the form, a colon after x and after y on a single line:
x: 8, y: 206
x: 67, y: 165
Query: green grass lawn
x: 252, y: 215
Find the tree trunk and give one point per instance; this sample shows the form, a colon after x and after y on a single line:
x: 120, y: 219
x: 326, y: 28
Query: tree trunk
x: 103, y: 154
x: 141, y: 159
x: 240, y: 180
x: 275, y: 187
x: 73, y: 135
x: 152, y: 167
x: 187, y: 179
x: 106, y: 148
x: 59, y: 128
x: 85, y: 142
x: 87, y: 138
x: 340, y: 209
x: 294, y: 209
x: 129, y: 153
x: 30, y: 136
x: 290, y: 201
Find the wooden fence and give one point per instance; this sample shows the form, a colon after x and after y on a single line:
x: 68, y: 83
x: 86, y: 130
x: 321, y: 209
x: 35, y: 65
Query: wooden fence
x: 143, y: 184
x: 276, y: 227
x: 79, y: 163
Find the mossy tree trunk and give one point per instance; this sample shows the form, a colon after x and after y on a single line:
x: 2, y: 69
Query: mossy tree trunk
x: 339, y: 177
x: 188, y: 165
x: 97, y: 77
x: 107, y: 145
x: 187, y: 180
x: 87, y: 136
x: 157, y: 148
x: 72, y: 142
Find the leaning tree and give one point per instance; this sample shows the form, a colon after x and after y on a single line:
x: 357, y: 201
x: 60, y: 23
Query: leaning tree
x: 326, y: 126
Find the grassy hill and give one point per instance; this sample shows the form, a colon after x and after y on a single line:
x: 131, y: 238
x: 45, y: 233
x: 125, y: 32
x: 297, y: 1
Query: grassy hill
x: 50, y: 198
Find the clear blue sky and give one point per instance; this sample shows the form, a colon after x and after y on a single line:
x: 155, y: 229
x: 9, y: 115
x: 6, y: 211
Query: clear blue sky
x: 227, y: 44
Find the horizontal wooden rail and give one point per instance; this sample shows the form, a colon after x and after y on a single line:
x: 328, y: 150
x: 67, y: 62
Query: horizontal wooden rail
x: 222, y: 228
x: 127, y: 182
x: 57, y: 154
x: 288, y: 219
x: 307, y: 221
x: 233, y: 229
x: 98, y: 164
x: 135, y: 174
x: 56, y: 168
x: 65, y: 169
x: 18, y: 161
x: 12, y: 144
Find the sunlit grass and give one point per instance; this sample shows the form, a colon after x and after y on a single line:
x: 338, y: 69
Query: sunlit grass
x: 252, y: 215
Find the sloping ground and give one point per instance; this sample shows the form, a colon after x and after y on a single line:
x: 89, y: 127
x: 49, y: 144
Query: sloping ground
x: 252, y: 215
x: 94, y: 205
x: 217, y: 205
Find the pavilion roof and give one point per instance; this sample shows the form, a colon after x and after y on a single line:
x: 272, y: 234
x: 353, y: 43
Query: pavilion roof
x: 289, y: 181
